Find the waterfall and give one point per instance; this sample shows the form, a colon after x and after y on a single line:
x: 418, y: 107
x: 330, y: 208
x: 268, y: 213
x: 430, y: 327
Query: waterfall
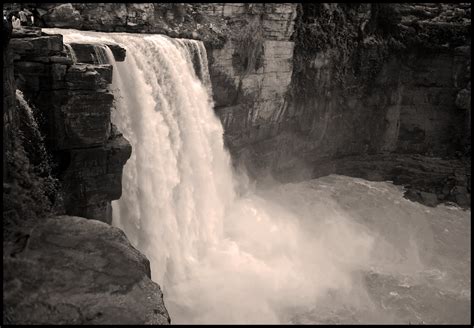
x: 32, y: 141
x: 182, y: 178
x: 307, y: 252
x: 70, y: 52
x: 100, y: 54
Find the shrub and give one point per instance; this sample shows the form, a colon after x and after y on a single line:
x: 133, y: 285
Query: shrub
x: 249, y: 40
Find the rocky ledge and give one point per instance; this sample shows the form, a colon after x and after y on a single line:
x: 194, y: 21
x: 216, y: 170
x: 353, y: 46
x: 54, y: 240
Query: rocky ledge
x: 428, y: 180
x: 183, y: 20
x: 74, y: 103
x: 70, y: 270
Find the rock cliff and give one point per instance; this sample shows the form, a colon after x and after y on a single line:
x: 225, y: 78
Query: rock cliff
x: 337, y: 80
x: 70, y: 270
x: 63, y: 269
x: 75, y: 105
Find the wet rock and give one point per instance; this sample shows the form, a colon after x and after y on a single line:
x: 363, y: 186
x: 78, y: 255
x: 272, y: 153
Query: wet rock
x: 94, y: 178
x: 88, y: 77
x: 76, y: 103
x: 70, y: 270
x: 118, y: 52
x: 428, y: 180
x: 86, y: 53
x: 84, y: 119
x: 428, y: 198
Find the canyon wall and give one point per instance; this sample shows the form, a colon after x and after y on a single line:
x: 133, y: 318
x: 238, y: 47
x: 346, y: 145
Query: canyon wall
x: 298, y: 86
x: 313, y: 89
x: 379, y: 91
x: 365, y: 79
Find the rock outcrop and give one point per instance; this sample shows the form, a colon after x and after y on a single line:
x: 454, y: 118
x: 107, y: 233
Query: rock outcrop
x: 361, y: 84
x: 174, y: 19
x: 75, y: 104
x: 70, y: 270
x: 251, y: 74
x: 428, y: 180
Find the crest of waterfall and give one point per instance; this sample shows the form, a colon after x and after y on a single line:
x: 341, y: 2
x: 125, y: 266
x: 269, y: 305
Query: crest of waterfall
x: 279, y: 255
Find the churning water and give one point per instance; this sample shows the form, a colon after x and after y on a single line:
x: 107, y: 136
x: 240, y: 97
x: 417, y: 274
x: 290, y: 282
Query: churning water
x: 331, y: 250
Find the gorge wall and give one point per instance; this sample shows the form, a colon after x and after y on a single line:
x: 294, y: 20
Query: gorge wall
x: 330, y: 86
x: 298, y: 86
x: 379, y: 91
x: 75, y: 106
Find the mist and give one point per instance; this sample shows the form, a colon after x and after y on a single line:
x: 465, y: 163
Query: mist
x: 331, y: 250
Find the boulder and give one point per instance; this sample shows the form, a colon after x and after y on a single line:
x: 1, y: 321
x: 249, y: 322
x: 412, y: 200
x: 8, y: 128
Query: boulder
x: 70, y: 270
x: 64, y: 15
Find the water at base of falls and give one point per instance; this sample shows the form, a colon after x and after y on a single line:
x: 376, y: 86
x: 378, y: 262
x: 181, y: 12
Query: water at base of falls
x: 331, y: 250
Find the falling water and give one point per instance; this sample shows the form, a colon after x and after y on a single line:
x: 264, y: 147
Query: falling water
x: 331, y: 250
x: 33, y: 143
x: 33, y: 139
x: 70, y: 52
x: 100, y: 54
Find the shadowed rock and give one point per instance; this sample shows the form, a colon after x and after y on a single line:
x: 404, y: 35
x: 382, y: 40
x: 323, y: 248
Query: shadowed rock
x: 70, y: 270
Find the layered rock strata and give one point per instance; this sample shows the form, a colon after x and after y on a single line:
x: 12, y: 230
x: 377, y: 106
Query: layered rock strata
x: 63, y: 269
x: 75, y: 104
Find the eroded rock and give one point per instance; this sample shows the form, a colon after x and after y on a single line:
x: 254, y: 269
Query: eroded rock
x: 86, y: 53
x: 70, y: 270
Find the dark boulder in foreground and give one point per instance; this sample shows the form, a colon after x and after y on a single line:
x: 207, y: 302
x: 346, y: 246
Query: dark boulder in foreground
x: 70, y: 270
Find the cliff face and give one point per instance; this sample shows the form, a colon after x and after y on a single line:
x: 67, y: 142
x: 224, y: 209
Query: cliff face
x: 303, y: 83
x: 63, y: 269
x: 366, y: 80
x: 363, y: 84
x: 251, y: 74
x: 75, y: 105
